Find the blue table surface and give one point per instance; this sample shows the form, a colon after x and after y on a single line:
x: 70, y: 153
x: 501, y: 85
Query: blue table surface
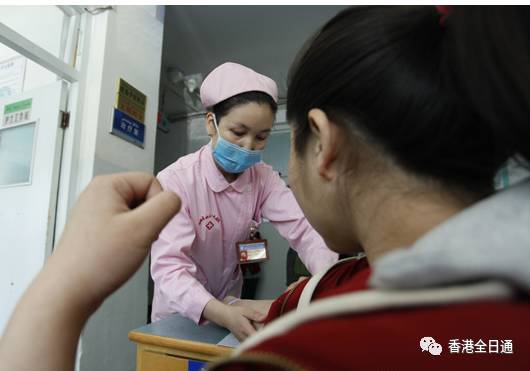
x: 178, y: 327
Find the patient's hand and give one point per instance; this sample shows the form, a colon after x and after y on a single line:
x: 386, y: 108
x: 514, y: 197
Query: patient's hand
x: 110, y: 231
x: 107, y: 237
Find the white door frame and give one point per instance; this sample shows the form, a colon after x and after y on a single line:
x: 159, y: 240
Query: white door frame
x: 37, y: 54
x: 68, y: 68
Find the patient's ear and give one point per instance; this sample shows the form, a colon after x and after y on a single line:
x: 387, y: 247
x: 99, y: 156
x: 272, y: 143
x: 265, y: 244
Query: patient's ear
x: 326, y: 145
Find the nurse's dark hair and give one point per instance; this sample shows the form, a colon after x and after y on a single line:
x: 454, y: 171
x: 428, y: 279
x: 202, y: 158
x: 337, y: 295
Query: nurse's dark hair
x: 223, y: 108
x: 448, y: 101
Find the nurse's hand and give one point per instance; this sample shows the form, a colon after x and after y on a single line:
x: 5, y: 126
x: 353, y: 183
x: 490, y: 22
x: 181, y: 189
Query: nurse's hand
x: 106, y: 239
x: 238, y: 319
x: 260, y: 306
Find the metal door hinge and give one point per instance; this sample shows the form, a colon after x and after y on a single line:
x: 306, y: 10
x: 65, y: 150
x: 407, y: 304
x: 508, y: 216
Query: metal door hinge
x: 65, y: 119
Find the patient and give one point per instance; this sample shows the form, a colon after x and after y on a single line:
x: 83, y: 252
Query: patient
x: 401, y: 116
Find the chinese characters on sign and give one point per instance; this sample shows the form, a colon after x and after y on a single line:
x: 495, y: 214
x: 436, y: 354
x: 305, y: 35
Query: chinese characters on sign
x: 17, y: 112
x: 127, y: 128
x: 129, y: 114
x: 131, y: 101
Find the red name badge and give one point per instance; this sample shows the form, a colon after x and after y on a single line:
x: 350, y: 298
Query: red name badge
x: 252, y: 251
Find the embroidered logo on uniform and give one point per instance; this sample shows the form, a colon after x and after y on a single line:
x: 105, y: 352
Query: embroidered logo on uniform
x: 211, y: 219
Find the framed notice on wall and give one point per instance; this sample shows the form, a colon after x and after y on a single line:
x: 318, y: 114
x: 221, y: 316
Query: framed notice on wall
x: 12, y: 72
x: 127, y: 128
x: 131, y: 100
x: 128, y: 115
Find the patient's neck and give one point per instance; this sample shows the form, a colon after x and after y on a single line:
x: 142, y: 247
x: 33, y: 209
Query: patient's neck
x: 390, y: 218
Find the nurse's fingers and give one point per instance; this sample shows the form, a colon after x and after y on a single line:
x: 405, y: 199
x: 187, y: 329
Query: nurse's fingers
x: 248, y: 329
x: 253, y: 315
x: 258, y: 325
x: 151, y: 216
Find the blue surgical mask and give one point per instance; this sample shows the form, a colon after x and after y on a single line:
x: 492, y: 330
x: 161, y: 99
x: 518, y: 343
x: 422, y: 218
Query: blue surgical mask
x: 231, y: 157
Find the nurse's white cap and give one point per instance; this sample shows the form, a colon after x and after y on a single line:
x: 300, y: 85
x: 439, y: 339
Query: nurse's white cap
x: 231, y: 79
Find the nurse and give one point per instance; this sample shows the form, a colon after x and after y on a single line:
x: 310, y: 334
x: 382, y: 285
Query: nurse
x: 226, y: 190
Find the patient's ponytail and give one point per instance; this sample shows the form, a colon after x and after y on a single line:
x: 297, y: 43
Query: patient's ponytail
x: 446, y: 96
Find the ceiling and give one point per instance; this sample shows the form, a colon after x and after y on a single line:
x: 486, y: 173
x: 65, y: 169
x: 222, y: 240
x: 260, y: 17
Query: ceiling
x: 264, y: 38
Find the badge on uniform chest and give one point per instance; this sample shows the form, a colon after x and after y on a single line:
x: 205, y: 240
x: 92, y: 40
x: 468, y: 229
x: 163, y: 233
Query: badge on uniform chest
x: 253, y: 250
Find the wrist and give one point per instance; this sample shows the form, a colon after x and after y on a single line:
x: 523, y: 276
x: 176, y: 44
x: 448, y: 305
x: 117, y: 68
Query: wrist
x: 76, y: 290
x: 231, y: 300
x: 217, y: 312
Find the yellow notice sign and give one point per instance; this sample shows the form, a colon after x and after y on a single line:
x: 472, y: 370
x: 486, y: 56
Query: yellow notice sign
x: 131, y: 100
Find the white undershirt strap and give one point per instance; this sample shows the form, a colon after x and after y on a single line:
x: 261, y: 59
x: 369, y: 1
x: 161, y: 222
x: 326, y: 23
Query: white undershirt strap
x: 309, y: 289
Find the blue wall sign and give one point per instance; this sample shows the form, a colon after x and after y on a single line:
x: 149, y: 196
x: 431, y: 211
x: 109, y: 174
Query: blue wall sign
x: 128, y: 128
